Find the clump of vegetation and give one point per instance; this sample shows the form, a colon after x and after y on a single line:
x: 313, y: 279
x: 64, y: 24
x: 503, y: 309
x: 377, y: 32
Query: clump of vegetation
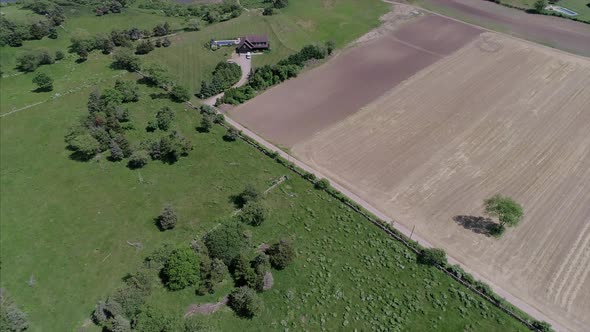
x: 226, y: 242
x: 322, y: 184
x: 253, y: 213
x: 281, y: 254
x: 181, y: 269
x: 225, y: 75
x: 167, y: 219
x: 180, y: 93
x: 128, y: 89
x: 43, y: 81
x: 11, y: 317
x: 169, y: 148
x: 30, y: 61
x: 138, y: 159
x: 432, y: 256
x: 245, y: 302
x: 508, y: 212
x: 125, y: 59
x: 248, y: 195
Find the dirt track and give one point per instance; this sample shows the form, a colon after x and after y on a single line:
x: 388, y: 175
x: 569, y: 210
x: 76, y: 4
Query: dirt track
x: 552, y: 31
x: 501, y: 116
x: 295, y: 110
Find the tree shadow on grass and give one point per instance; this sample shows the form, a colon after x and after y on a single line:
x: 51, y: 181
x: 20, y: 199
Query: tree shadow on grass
x: 479, y: 225
x: 161, y: 95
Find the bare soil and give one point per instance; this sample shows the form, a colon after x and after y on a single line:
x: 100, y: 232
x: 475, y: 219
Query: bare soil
x: 205, y: 308
x: 321, y: 97
x: 552, y: 31
x: 498, y: 116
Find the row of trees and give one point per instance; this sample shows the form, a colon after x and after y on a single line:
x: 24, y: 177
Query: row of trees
x: 267, y: 76
x: 106, y: 7
x: 210, y: 13
x: 30, y: 61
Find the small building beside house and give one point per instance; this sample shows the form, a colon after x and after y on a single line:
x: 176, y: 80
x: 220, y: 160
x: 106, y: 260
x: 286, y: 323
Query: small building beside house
x: 255, y: 43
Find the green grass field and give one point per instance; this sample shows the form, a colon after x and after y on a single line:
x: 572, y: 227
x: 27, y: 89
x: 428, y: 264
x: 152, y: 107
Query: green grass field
x: 579, y: 6
x: 65, y: 224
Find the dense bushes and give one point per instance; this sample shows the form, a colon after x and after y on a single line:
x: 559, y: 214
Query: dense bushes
x: 225, y: 75
x: 30, y: 61
x: 432, y: 256
x: 245, y: 302
x: 167, y: 219
x: 14, y: 33
x: 253, y: 214
x: 169, y: 148
x: 281, y: 254
x: 210, y: 13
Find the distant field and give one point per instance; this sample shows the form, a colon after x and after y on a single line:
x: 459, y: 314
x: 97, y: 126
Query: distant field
x: 579, y: 6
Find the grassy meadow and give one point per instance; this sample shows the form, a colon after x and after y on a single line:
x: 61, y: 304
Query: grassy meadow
x: 66, y: 224
x: 579, y: 6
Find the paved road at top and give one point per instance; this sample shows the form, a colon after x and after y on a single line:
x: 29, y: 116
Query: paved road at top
x: 561, y: 33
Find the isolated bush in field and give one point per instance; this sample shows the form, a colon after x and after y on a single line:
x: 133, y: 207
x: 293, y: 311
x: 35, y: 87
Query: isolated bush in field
x: 253, y: 214
x: 225, y: 242
x: 322, y: 184
x: 43, y: 81
x: 281, y: 254
x: 508, y: 212
x: 138, y: 159
x: 11, y: 317
x: 181, y: 269
x: 433, y: 256
x: 164, y: 118
x: 128, y: 89
x: 180, y: 94
x: 249, y: 194
x: 167, y: 219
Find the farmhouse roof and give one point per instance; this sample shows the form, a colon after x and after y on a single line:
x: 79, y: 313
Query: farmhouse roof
x: 254, y: 41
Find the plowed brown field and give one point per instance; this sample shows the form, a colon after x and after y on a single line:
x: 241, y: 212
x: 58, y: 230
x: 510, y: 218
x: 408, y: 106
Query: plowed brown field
x: 497, y: 116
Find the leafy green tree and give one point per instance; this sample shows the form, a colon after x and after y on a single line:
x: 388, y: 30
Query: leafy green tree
x: 166, y: 42
x: 167, y: 219
x: 29, y: 62
x: 144, y: 47
x: 539, y: 5
x: 253, y: 213
x: 181, y: 269
x: 218, y: 270
x: 226, y: 242
x: 231, y: 135
x: 180, y: 94
x: 330, y: 46
x: 245, y: 302
x: 138, y: 159
x: 194, y: 24
x: 322, y: 184
x: 508, y: 212
x: 281, y: 254
x: 206, y: 123
x: 195, y: 324
x: 125, y: 59
x: 128, y: 89
x: 118, y: 324
x: 164, y: 118
x: 158, y: 75
x: 432, y: 256
x: 38, y: 30
x: 43, y: 81
x: 85, y: 146
x: 82, y: 54
x: 116, y: 152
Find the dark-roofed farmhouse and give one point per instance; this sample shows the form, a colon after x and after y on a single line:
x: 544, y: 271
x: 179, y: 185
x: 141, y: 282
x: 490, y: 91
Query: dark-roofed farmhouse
x: 253, y: 44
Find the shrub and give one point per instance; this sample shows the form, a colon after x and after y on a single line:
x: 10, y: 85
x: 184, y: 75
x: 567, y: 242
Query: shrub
x: 154, y: 320
x: 116, y: 152
x: 194, y: 324
x: 225, y: 75
x: 225, y: 242
x: 158, y: 75
x: 268, y: 11
x: 206, y: 123
x: 59, y: 55
x: 181, y: 269
x: 322, y: 184
x: 166, y: 42
x: 167, y: 219
x: 118, y: 324
x: 43, y: 81
x: 253, y: 214
x: 281, y: 254
x: 106, y: 310
x: 218, y: 270
x: 125, y: 59
x: 138, y: 159
x: 249, y: 194
x: 164, y: 118
x: 245, y: 302
x: 542, y: 326
x: 231, y: 134
x: 244, y: 274
x: 144, y: 47
x: 84, y: 146
x: 433, y: 256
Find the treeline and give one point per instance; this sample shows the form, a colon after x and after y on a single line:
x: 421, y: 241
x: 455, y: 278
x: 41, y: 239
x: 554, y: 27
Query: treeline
x: 14, y: 33
x: 120, y: 38
x: 267, y: 76
x: 30, y: 61
x: 272, y: 5
x: 113, y: 6
x: 211, y: 13
x: 221, y: 254
x: 225, y: 75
